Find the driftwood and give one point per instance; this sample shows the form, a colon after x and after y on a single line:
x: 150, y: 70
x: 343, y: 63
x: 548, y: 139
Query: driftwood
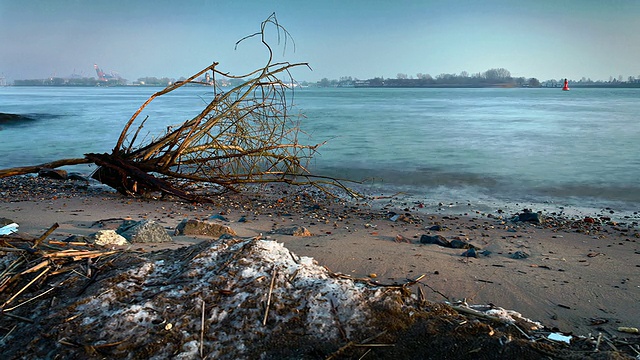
x: 244, y: 135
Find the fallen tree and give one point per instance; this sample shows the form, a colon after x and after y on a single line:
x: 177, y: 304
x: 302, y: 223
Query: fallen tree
x: 244, y: 135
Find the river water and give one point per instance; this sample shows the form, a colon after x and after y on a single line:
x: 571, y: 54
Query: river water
x: 461, y: 149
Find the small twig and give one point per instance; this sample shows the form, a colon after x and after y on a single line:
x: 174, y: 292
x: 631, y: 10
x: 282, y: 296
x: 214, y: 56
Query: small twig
x: 598, y: 342
x: 365, y: 354
x: 273, y: 281
x: 17, y: 317
x: 45, y: 235
x: 334, y: 311
x: 202, y: 330
x: 351, y: 343
x: 437, y: 292
x: 374, y: 345
x: 9, y: 333
x: 33, y: 298
x: 522, y: 331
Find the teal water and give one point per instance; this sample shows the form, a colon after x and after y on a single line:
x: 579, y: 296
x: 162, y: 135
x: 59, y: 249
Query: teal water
x: 474, y: 146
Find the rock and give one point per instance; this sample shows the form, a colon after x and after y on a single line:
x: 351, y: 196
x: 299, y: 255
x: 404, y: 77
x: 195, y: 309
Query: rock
x: 13, y: 118
x: 145, y: 231
x: 109, y: 237
x: 5, y: 221
x: 470, y: 253
x: 56, y: 174
x: 218, y: 217
x: 528, y: 216
x: 294, y: 231
x: 204, y: 228
x: 520, y: 255
x: 436, y: 239
x: 459, y: 244
x: 436, y: 228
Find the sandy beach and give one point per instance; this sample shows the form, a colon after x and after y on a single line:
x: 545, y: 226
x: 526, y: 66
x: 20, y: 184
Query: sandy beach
x: 578, y: 276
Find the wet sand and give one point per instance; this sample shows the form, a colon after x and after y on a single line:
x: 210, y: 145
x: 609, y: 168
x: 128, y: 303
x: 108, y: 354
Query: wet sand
x: 581, y: 276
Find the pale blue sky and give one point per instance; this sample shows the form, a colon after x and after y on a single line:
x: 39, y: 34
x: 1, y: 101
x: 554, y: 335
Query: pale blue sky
x: 360, y: 38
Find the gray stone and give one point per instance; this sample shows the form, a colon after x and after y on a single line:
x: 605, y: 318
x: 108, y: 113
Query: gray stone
x: 460, y: 244
x: 528, y: 216
x: 436, y: 239
x: 204, y: 228
x: 5, y: 221
x: 471, y: 252
x: 520, y: 255
x: 218, y: 217
x: 145, y: 231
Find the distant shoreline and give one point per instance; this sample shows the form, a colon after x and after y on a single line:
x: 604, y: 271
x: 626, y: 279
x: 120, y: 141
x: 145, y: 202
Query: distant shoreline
x: 434, y: 86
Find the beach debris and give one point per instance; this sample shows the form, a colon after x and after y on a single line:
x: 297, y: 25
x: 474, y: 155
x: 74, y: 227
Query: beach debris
x: 109, y: 237
x: 406, y: 217
x: 236, y: 298
x: 295, y: 230
x: 401, y: 239
x: 9, y: 229
x: 528, y: 215
x: 629, y: 330
x: 597, y: 321
x: 520, y: 255
x: 203, y: 228
x: 496, y: 313
x: 556, y: 336
x: 145, y: 231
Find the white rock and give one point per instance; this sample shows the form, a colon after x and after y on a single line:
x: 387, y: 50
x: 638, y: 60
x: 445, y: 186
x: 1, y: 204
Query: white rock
x: 109, y: 237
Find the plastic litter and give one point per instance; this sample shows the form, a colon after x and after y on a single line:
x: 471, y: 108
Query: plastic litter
x: 9, y: 229
x: 560, y: 337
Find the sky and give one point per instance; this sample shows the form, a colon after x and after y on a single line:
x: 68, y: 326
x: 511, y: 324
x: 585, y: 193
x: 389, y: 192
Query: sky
x: 546, y: 39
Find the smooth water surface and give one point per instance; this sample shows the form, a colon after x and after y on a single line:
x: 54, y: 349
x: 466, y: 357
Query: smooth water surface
x: 576, y: 148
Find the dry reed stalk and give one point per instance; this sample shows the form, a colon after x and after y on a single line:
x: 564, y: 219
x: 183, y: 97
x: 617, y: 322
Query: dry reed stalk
x: 273, y: 281
x: 36, y: 267
x: 25, y: 287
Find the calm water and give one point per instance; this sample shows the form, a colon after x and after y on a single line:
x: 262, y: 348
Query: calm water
x: 484, y: 147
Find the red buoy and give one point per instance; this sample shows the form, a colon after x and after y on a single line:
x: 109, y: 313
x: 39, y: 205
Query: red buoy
x: 566, y: 85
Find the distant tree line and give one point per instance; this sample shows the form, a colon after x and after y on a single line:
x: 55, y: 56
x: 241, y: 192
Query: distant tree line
x: 498, y: 77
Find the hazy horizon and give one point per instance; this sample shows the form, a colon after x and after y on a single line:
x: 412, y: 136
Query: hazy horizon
x: 363, y: 39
